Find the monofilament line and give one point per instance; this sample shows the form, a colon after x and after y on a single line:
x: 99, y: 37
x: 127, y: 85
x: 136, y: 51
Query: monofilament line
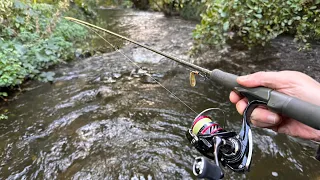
x: 135, y: 64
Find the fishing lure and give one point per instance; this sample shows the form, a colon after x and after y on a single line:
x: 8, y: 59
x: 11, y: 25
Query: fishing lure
x: 192, y: 78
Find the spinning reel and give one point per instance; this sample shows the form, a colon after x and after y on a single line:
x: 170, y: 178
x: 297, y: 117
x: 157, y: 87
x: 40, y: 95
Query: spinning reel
x: 226, y: 148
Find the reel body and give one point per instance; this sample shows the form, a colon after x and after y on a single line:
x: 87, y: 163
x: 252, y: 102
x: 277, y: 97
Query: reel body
x: 225, y: 148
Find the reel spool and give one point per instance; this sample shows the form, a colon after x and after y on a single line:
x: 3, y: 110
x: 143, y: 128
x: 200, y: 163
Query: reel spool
x: 223, y: 147
x: 205, y: 125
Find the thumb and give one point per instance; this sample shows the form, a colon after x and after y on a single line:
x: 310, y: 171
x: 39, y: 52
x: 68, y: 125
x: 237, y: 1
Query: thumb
x: 266, y: 79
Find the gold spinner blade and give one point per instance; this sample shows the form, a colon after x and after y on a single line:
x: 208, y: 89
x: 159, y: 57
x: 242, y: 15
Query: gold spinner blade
x: 192, y: 78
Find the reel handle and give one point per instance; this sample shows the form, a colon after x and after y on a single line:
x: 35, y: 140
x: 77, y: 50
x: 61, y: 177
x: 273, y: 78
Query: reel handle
x: 305, y: 112
x: 202, y: 168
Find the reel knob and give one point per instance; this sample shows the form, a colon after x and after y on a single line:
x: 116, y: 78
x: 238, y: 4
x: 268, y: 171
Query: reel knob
x: 202, y: 168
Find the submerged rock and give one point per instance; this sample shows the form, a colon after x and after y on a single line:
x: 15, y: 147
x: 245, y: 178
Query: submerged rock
x: 116, y: 75
x: 110, y: 77
x: 105, y: 76
x: 275, y: 174
x: 138, y: 72
x: 148, y: 80
x: 106, y: 92
x: 109, y: 81
x: 78, y: 53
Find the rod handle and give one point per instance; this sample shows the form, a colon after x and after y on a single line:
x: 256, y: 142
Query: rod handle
x: 226, y: 79
x: 305, y: 112
x: 286, y: 105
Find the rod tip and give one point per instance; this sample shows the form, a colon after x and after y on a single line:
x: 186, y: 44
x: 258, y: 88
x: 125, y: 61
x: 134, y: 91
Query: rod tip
x: 68, y: 18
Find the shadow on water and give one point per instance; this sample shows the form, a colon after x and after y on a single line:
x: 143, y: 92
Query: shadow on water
x: 103, y: 119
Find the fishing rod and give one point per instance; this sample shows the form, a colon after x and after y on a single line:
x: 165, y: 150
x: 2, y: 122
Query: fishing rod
x: 228, y: 148
x: 286, y: 105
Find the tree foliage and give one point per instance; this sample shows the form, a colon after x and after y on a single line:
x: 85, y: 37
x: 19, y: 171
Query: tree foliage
x: 34, y: 37
x: 255, y: 22
x: 189, y: 9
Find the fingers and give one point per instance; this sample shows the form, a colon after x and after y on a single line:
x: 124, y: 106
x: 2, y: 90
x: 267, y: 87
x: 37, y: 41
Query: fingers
x: 264, y: 118
x: 297, y: 129
x: 259, y: 117
x: 268, y: 79
x: 234, y: 97
x: 241, y: 103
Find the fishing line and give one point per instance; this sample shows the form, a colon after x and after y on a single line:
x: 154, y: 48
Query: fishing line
x: 135, y: 64
x: 226, y: 148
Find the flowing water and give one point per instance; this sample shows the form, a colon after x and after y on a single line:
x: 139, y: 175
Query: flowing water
x: 102, y: 119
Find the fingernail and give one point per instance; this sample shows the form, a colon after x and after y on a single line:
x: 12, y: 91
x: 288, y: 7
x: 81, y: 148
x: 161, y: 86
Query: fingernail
x: 243, y: 78
x: 272, y: 119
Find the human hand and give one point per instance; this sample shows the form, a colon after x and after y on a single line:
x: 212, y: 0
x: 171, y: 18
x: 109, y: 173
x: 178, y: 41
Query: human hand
x: 292, y: 83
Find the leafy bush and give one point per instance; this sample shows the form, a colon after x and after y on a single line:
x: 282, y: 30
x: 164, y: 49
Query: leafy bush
x: 188, y: 9
x: 5, y: 9
x: 34, y: 37
x: 192, y: 10
x: 11, y: 70
x: 256, y: 22
x: 71, y: 32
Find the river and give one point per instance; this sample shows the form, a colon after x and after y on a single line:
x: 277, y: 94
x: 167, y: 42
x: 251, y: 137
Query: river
x: 102, y: 119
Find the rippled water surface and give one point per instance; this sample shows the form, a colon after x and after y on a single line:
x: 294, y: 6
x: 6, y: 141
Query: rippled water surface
x: 102, y: 119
